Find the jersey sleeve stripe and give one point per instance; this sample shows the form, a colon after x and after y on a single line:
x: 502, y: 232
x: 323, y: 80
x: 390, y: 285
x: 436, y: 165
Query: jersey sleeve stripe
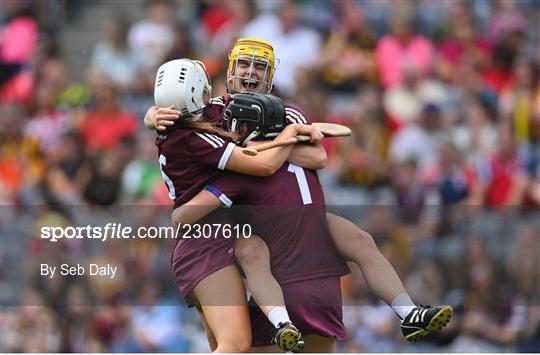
x: 226, y: 155
x: 215, y: 138
x: 212, y: 143
x: 290, y: 118
x: 221, y: 196
x: 295, y: 113
x: 217, y: 100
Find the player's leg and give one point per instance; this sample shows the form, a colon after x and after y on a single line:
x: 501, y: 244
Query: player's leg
x: 358, y: 246
x: 253, y: 256
x: 222, y: 299
x: 209, y: 335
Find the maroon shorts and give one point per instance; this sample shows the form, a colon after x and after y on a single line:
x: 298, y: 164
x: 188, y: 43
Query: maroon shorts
x: 194, y: 259
x: 314, y: 306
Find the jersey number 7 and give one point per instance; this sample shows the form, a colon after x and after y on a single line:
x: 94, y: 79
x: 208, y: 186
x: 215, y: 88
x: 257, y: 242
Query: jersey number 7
x: 302, y: 182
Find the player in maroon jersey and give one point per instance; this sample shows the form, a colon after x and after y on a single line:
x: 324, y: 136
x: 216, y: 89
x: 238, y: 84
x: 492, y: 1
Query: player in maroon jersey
x: 288, y: 210
x: 189, y: 153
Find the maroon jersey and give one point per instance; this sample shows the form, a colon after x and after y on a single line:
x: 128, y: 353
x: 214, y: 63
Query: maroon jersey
x: 290, y: 215
x: 188, y: 158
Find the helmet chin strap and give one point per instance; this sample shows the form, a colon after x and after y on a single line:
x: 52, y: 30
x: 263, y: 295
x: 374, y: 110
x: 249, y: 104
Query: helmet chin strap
x: 249, y: 137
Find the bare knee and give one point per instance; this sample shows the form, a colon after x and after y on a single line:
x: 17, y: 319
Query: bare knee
x: 251, y: 251
x: 360, y: 247
x: 364, y: 239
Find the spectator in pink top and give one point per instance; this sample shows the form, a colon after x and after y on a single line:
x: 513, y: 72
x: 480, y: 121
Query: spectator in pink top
x: 402, y: 50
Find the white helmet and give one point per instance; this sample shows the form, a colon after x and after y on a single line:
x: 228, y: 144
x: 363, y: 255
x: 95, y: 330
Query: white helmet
x: 182, y: 83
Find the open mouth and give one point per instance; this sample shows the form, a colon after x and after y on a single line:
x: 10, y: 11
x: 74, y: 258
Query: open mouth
x: 249, y: 84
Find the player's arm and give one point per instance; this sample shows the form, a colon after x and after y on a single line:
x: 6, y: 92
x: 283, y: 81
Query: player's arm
x: 159, y: 118
x: 199, y: 206
x: 266, y: 163
x: 309, y: 156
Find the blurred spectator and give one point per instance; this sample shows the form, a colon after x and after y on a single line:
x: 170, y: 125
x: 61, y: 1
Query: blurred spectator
x: 502, y: 176
x: 516, y: 105
x: 347, y: 59
x: 295, y: 45
x: 107, y: 124
x: 362, y: 158
x: 142, y: 177
x: 494, y: 313
x: 33, y: 328
x: 113, y: 58
x: 462, y: 43
x: 404, y: 102
x: 48, y: 123
x: 103, y: 184
x: 391, y: 236
x: 18, y: 166
x: 452, y: 181
x: 522, y: 266
x: 506, y: 21
x: 477, y: 135
x: 418, y: 204
x: 237, y: 14
x: 418, y: 140
x: 154, y: 326
x: 78, y: 330
x: 402, y: 51
x: 53, y: 72
x: 153, y: 37
x: 182, y: 46
x: 19, y: 37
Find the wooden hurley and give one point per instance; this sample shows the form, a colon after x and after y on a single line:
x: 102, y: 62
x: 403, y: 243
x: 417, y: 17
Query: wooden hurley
x: 327, y: 129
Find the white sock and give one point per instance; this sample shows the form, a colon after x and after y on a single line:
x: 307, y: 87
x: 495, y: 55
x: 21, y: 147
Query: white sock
x: 403, y: 305
x: 278, y: 315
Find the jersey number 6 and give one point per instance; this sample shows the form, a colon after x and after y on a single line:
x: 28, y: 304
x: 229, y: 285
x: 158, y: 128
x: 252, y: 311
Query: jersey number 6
x: 168, y: 181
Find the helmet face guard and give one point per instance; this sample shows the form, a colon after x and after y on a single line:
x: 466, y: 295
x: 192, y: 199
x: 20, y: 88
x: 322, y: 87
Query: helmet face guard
x: 183, y: 83
x: 255, y: 116
x: 253, y: 52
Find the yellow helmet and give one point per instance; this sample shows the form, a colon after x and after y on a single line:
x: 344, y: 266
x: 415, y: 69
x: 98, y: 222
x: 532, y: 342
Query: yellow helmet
x: 252, y: 50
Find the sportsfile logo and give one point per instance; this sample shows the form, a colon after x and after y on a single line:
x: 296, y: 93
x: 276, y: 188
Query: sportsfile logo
x: 119, y: 231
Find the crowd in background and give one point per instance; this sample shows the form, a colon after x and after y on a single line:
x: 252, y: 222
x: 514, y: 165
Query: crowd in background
x: 443, y: 167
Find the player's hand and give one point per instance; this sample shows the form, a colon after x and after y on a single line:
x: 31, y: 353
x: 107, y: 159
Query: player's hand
x: 311, y: 131
x: 163, y: 117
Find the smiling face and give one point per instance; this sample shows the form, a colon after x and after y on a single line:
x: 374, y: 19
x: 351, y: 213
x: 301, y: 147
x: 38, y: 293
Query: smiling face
x: 251, y: 66
x: 249, y: 76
